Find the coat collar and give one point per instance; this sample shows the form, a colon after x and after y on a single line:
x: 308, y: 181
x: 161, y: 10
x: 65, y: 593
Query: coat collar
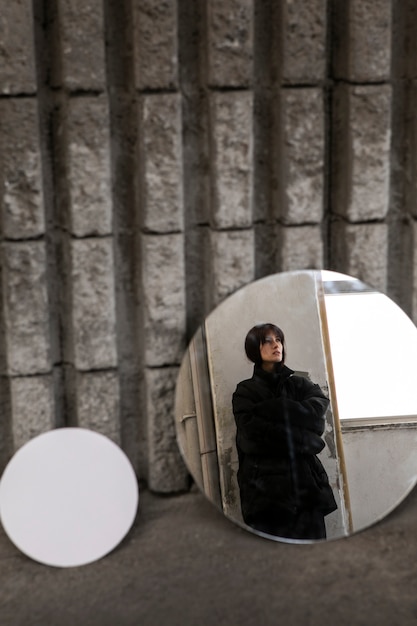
x: 281, y: 372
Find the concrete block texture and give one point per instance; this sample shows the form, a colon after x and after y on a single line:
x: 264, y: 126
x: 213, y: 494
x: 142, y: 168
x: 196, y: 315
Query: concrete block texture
x: 362, y: 142
x: 232, y: 263
x: 93, y: 323
x: 167, y: 472
x: 229, y: 42
x: 300, y: 169
x: 160, y: 186
x: 88, y: 166
x: 300, y: 246
x: 163, y: 294
x: 157, y: 156
x: 361, y: 251
x: 17, y: 48
x: 26, y: 309
x: 81, y: 45
x: 155, y: 44
x: 97, y: 402
x: 32, y: 404
x: 303, y: 32
x: 362, y: 40
x: 22, y: 198
x: 231, y: 147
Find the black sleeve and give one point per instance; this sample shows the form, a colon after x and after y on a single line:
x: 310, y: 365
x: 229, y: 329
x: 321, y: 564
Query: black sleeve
x: 273, y: 424
x: 306, y: 409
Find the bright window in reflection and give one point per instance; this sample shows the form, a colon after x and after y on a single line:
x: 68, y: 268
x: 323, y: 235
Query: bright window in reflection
x: 374, y: 354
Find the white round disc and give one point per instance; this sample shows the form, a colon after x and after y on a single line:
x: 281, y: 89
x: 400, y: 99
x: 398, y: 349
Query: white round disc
x: 68, y: 497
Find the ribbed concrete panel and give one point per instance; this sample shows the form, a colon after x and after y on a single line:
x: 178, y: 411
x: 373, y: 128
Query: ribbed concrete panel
x: 80, y: 40
x: 300, y: 247
x: 363, y: 38
x: 362, y: 141
x: 157, y: 156
x: 155, y: 44
x: 361, y: 250
x: 22, y: 199
x: 160, y: 186
x: 88, y: 166
x: 300, y: 171
x: 231, y: 143
x: 93, y: 304
x: 163, y: 298
x: 167, y: 472
x: 26, y: 309
x: 303, y: 31
x: 97, y: 403
x: 231, y: 260
x: 17, y: 58
x: 33, y: 409
x: 229, y: 42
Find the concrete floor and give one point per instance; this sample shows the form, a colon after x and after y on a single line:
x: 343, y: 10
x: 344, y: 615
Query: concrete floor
x: 183, y: 563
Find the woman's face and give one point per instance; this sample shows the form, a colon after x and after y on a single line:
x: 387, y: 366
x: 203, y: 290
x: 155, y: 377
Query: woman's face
x: 271, y: 351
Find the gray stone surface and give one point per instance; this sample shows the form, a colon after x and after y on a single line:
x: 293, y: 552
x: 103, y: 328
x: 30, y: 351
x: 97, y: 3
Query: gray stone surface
x: 33, y: 407
x: 361, y: 251
x: 184, y: 564
x: 304, y: 41
x: 93, y: 304
x: 231, y: 147
x: 362, y: 138
x: 17, y: 50
x: 229, y: 43
x: 232, y: 263
x: 300, y: 247
x: 363, y: 40
x: 81, y: 44
x: 88, y: 163
x: 155, y: 44
x: 160, y: 187
x: 167, y: 473
x: 22, y: 198
x: 163, y: 298
x: 97, y: 403
x: 300, y: 178
x: 26, y: 312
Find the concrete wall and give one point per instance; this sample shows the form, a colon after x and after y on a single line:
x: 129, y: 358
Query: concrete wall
x: 156, y: 156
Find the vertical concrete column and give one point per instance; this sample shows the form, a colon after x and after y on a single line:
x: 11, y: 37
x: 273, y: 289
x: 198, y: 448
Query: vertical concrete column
x: 90, y: 333
x: 88, y: 166
x: 361, y: 174
x: 22, y: 215
x: 162, y: 279
x: 17, y: 57
x: 27, y: 340
x: 299, y: 178
x: 302, y: 30
x: 361, y: 159
x: 231, y: 153
x: 362, y: 136
x: 155, y: 39
x: 229, y: 41
x: 160, y: 187
x: 81, y: 43
x: 362, y: 42
x: 26, y: 359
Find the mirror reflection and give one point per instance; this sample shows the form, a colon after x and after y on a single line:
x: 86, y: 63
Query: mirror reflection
x: 295, y: 409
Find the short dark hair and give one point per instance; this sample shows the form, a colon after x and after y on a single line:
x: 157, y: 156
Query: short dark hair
x: 256, y: 337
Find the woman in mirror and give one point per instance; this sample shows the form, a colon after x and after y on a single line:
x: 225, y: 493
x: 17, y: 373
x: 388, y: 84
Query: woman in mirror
x: 280, y: 417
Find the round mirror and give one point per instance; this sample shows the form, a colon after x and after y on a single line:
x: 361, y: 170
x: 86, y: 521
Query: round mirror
x: 296, y: 408
x: 68, y: 497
